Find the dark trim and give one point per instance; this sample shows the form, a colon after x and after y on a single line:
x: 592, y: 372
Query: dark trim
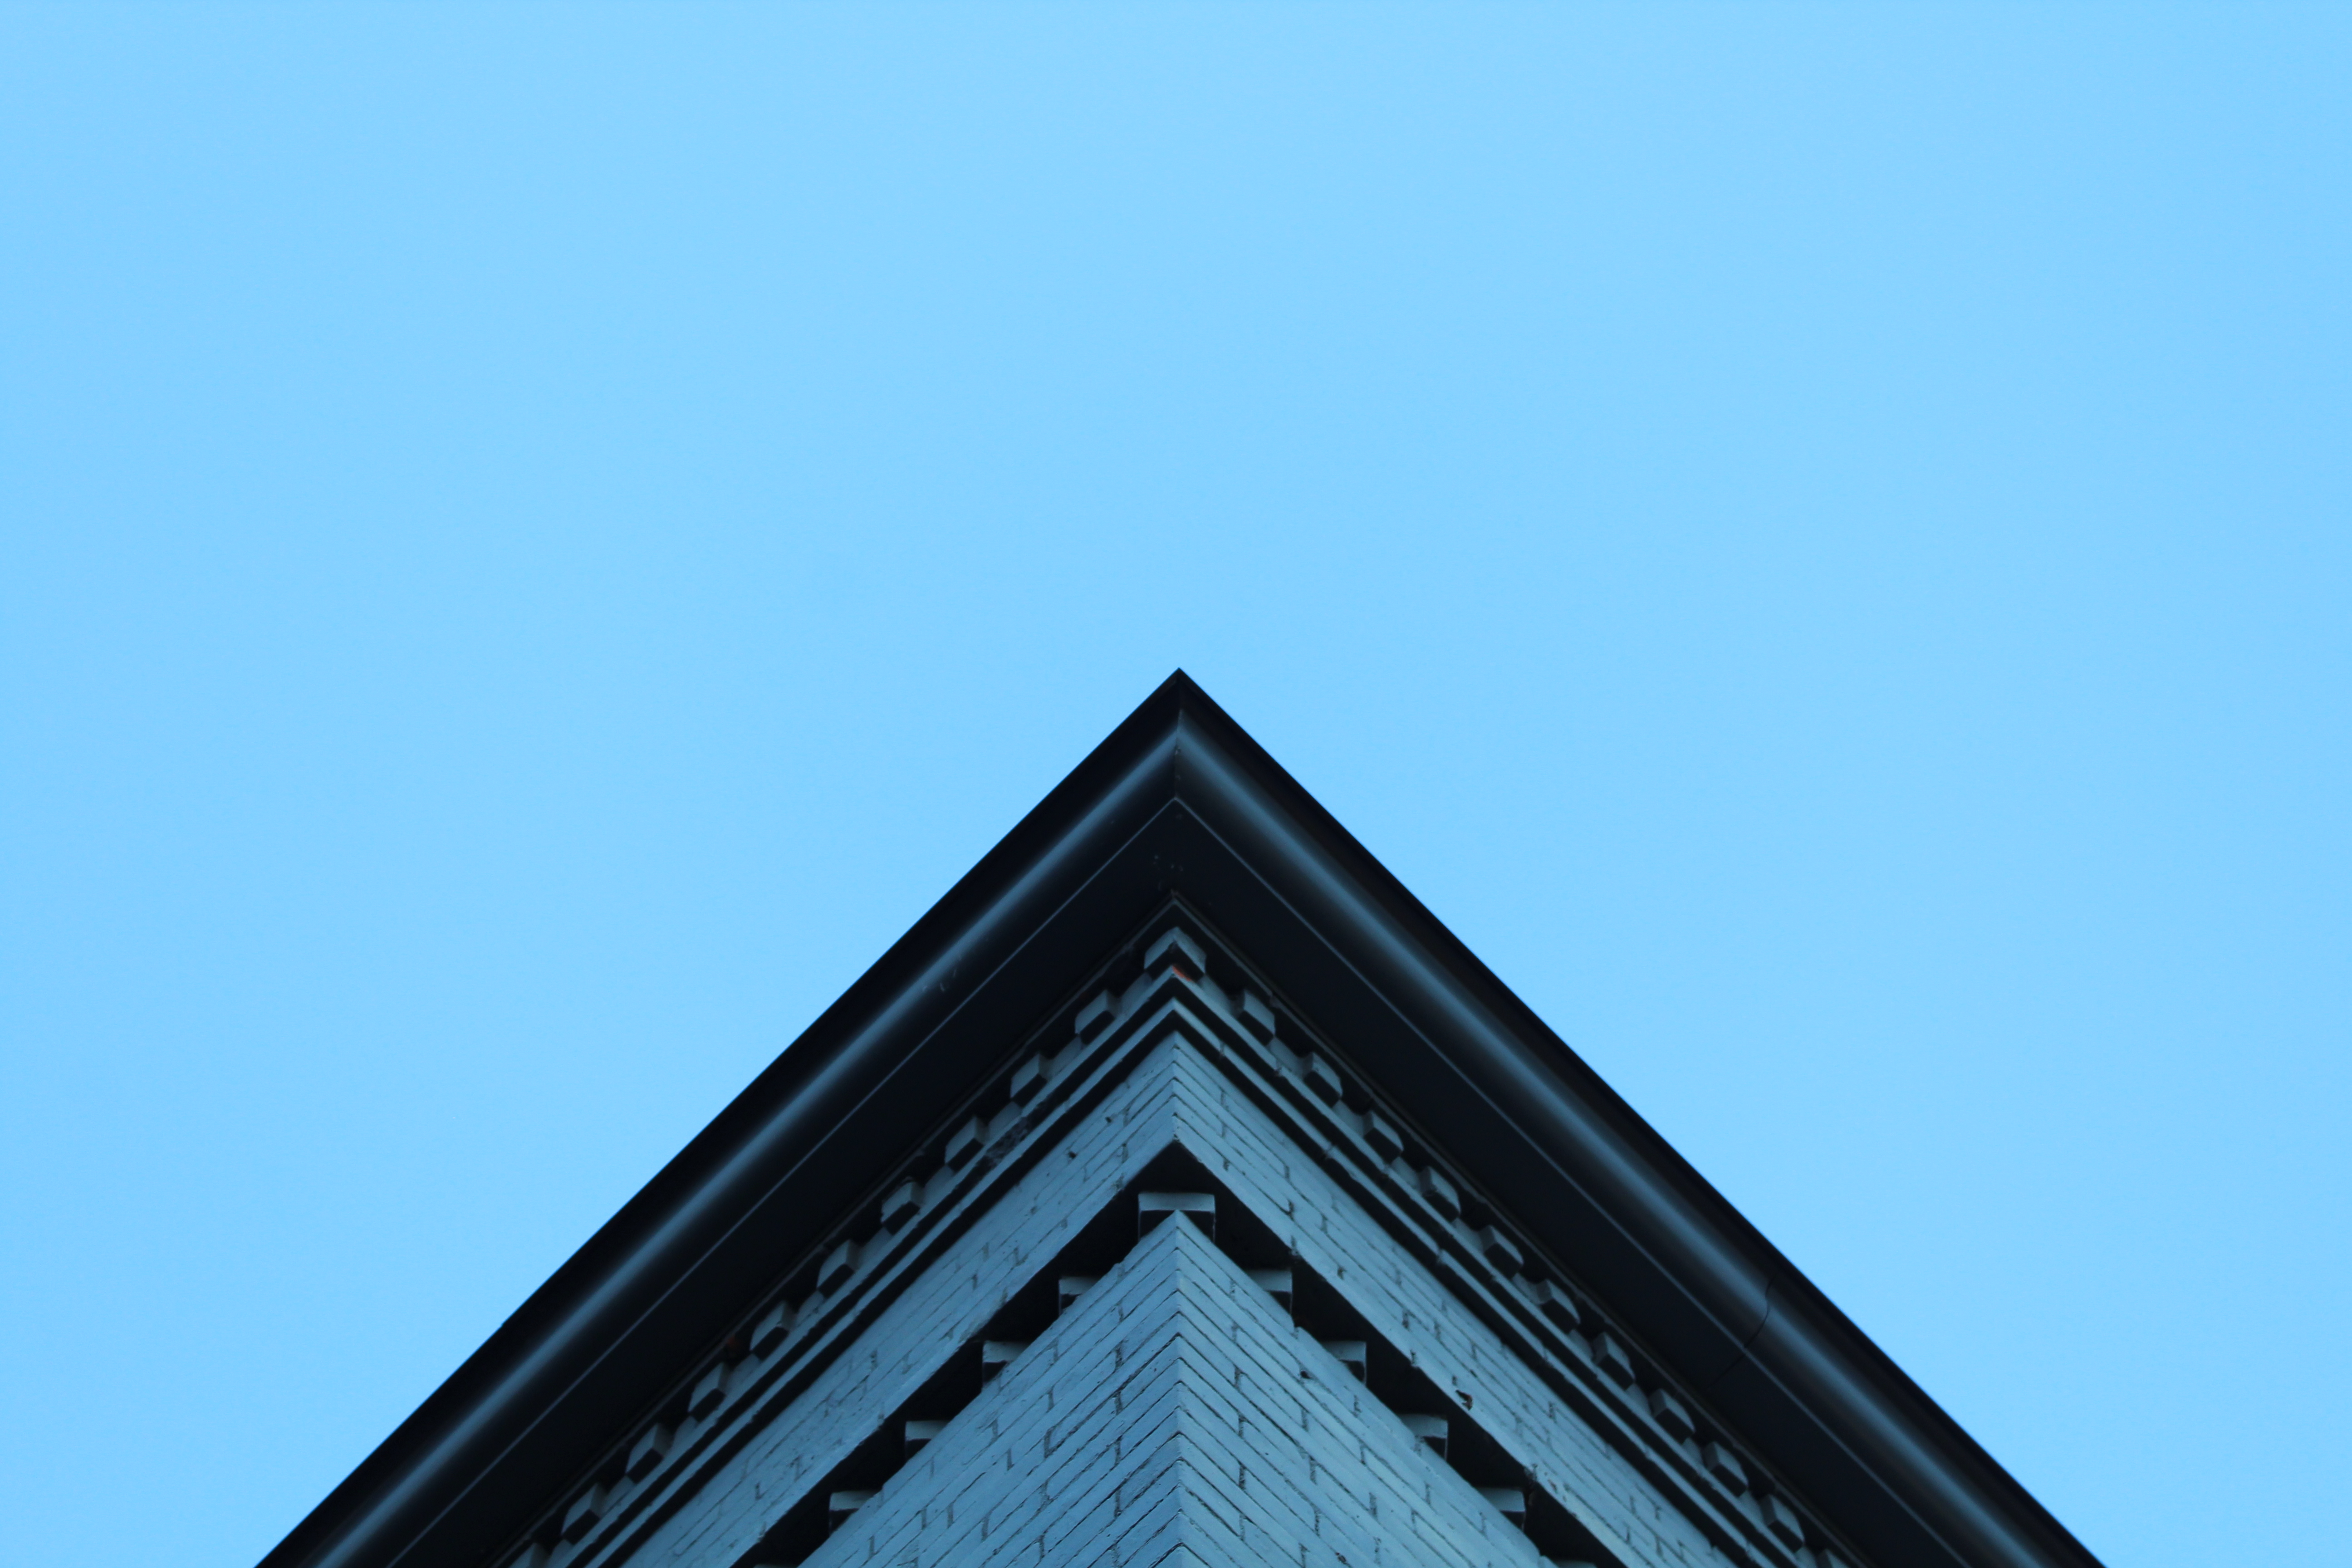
x: 1508, y: 1100
x: 1179, y: 798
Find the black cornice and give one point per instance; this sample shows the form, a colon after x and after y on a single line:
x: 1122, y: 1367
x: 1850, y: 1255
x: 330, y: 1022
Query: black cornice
x: 1178, y: 799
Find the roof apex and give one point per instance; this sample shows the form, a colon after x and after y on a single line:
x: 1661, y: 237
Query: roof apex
x: 1177, y: 800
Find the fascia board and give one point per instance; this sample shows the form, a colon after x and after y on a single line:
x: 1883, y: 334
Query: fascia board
x: 1575, y: 1150
x: 1510, y: 1100
x: 872, y: 1073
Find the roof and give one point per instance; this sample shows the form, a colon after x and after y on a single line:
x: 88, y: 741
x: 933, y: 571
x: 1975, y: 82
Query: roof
x: 1179, y: 800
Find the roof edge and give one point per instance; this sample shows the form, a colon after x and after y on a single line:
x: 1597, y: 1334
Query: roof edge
x: 1736, y: 1314
x: 538, y: 1348
x: 1790, y: 1337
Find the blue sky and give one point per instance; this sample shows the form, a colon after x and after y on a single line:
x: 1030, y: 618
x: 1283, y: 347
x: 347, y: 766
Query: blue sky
x: 538, y: 541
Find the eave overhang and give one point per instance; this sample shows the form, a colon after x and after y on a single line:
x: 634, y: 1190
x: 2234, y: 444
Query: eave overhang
x: 1179, y: 800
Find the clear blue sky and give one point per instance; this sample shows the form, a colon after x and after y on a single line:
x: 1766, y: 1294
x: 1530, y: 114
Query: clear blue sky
x: 538, y: 541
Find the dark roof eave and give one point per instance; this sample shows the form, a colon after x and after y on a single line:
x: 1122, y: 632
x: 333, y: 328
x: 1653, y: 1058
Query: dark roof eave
x: 1179, y: 798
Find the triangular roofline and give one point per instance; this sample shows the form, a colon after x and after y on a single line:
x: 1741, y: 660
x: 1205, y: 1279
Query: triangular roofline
x: 1179, y: 800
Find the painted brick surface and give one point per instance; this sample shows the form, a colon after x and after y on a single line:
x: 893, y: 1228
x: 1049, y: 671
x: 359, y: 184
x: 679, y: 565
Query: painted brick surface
x: 916, y: 1333
x: 1163, y: 1416
x: 1174, y: 1415
x: 1331, y: 1234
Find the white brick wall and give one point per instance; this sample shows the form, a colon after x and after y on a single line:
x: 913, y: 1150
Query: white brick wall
x: 1174, y: 1415
x: 1163, y: 1416
x: 1331, y: 1234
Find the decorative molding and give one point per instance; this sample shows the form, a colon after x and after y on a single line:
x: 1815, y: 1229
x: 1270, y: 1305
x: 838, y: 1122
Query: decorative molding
x: 1179, y: 800
x: 1335, y: 1114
